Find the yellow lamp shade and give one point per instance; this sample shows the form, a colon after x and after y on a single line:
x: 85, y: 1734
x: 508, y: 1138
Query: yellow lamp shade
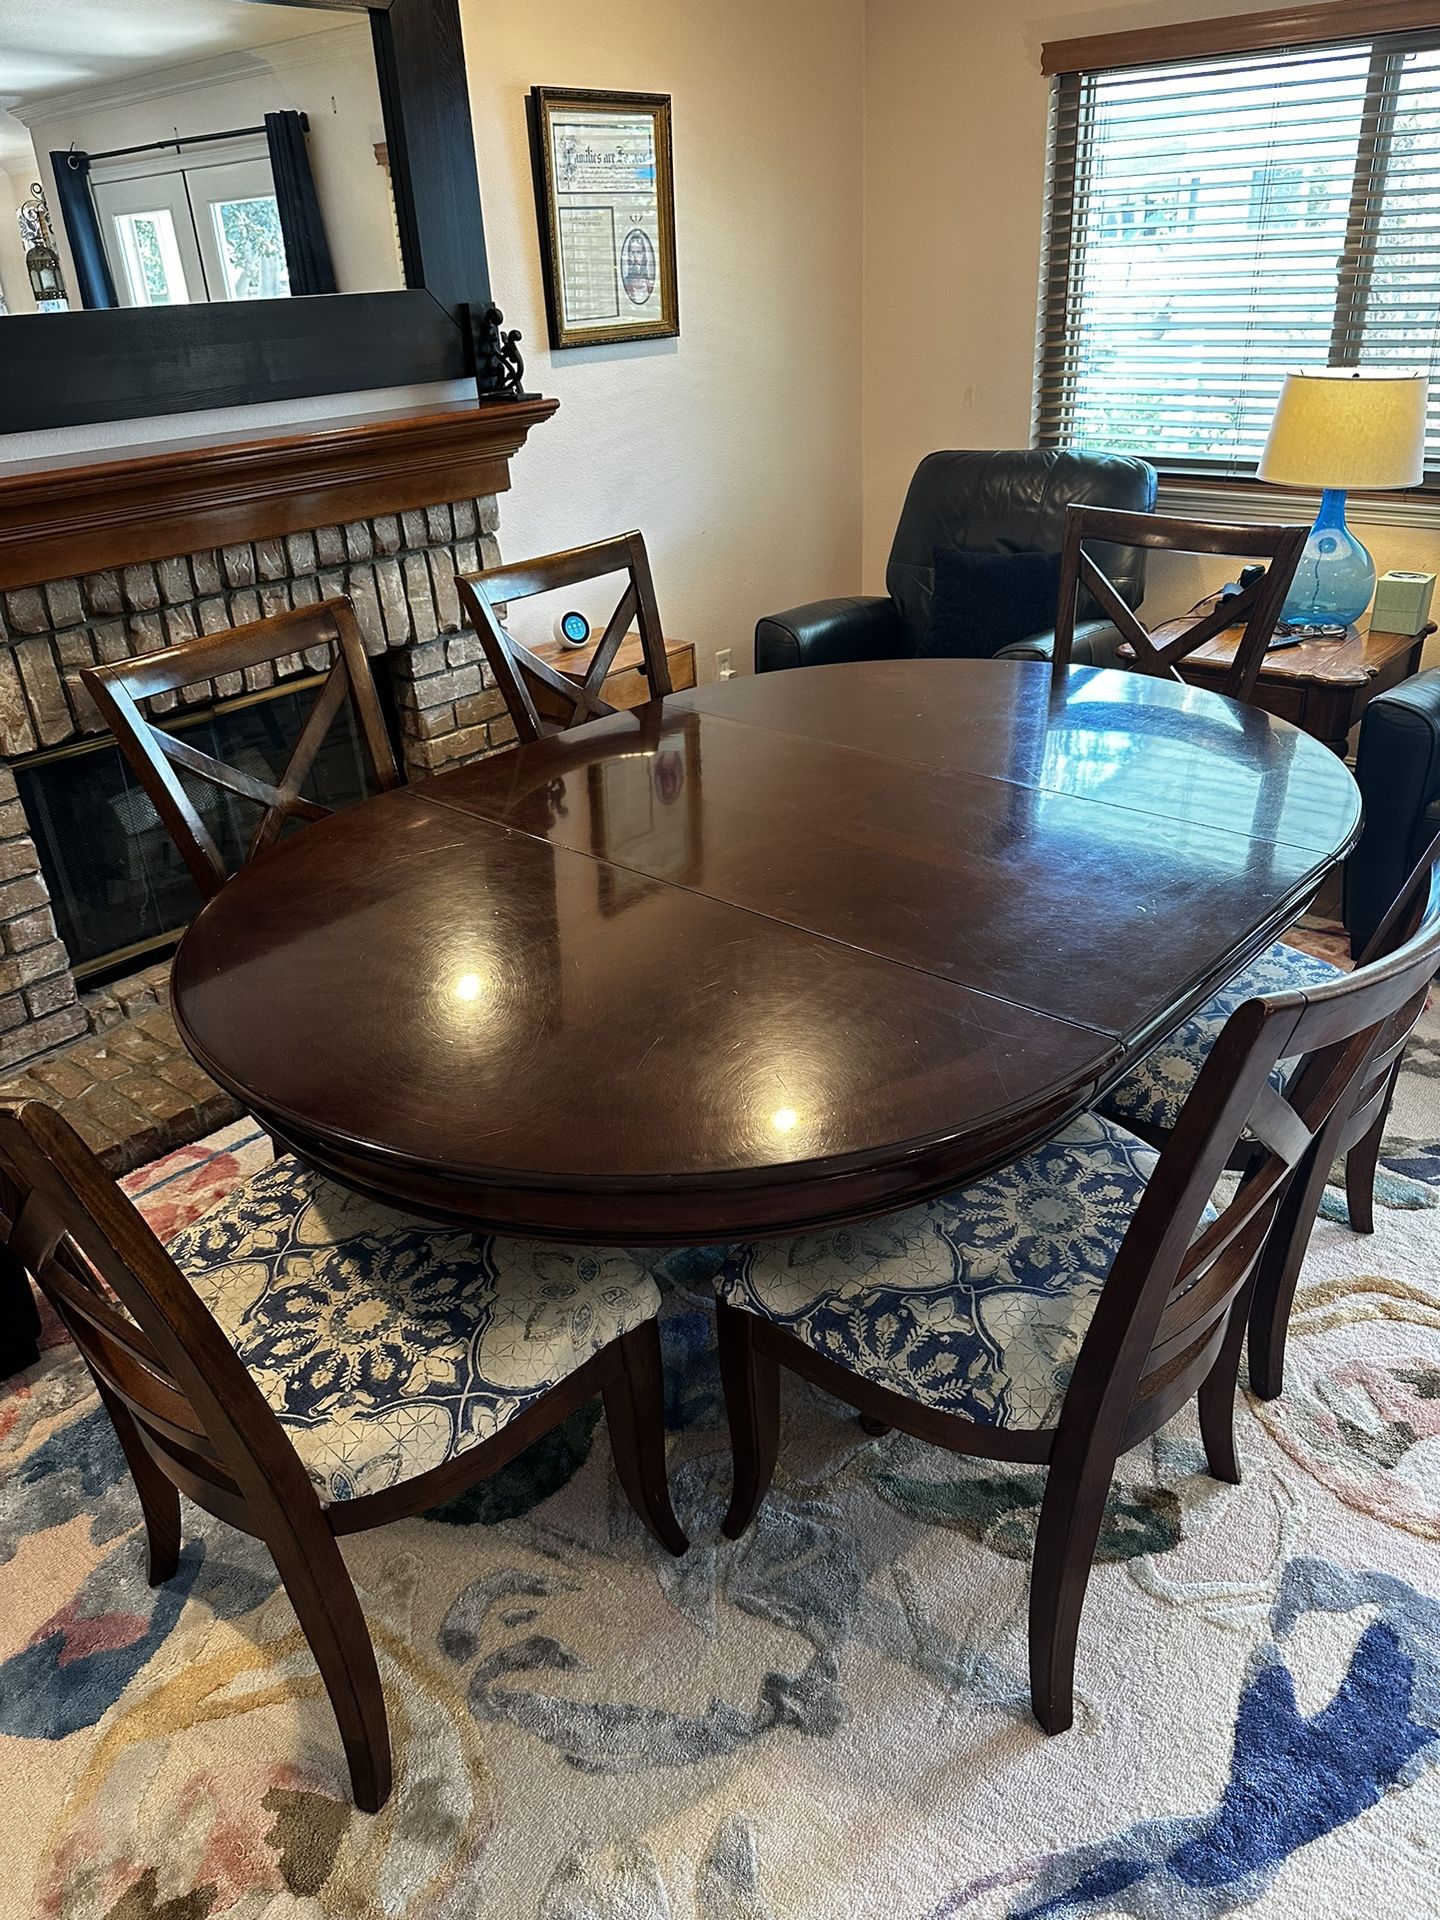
x: 1348, y: 430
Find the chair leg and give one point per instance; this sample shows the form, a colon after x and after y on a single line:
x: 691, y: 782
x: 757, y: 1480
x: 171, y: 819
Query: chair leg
x: 635, y: 1414
x: 19, y: 1318
x: 1278, y: 1273
x: 1217, y: 1397
x: 1076, y: 1490
x: 751, y: 1380
x: 1362, y: 1162
x: 328, y: 1608
x: 1360, y: 1167
x: 159, y: 1501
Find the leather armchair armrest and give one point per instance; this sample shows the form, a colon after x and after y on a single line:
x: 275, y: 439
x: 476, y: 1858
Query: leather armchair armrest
x: 1097, y: 644
x: 826, y: 631
x: 1397, y: 767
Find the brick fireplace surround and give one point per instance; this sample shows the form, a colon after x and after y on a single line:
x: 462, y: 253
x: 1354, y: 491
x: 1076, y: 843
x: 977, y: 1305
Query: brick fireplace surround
x: 339, y: 508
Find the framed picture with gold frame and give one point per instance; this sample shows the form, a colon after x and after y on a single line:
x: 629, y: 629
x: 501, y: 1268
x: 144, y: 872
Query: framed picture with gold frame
x: 605, y: 196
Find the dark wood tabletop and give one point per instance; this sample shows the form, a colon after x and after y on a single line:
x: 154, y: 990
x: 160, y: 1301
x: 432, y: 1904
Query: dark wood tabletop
x: 784, y: 950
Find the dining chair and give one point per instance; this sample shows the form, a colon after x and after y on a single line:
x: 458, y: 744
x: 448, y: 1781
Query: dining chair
x: 1359, y: 1143
x: 1063, y: 1309
x: 1149, y: 1099
x: 306, y: 1364
x: 1157, y: 652
x: 158, y: 756
x: 520, y: 672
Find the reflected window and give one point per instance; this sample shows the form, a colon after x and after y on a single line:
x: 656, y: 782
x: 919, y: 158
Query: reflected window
x: 205, y: 150
x: 150, y: 259
x: 252, y: 248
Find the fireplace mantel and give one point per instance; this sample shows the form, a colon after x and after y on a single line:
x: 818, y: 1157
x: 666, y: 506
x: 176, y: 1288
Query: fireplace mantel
x: 62, y: 517
x: 125, y: 551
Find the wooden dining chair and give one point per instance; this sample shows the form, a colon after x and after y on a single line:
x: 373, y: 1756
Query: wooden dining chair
x: 1358, y: 1142
x: 1150, y: 1097
x: 1257, y: 607
x: 306, y: 1364
x: 520, y: 672
x: 1062, y: 1310
x: 158, y: 756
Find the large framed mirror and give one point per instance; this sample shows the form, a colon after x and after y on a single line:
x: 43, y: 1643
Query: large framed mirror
x: 252, y: 200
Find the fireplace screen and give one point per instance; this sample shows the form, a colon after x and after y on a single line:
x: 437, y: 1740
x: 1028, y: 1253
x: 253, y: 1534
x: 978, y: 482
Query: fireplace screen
x: 119, y: 887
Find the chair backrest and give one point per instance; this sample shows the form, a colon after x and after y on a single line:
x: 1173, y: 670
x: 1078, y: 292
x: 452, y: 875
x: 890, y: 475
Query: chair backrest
x: 160, y: 1361
x: 1165, y: 1305
x: 1258, y: 606
x: 1010, y: 501
x: 519, y: 671
x: 1401, y: 922
x: 154, y: 754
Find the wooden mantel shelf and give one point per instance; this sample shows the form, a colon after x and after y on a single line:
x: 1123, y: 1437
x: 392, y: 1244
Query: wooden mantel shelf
x: 64, y: 517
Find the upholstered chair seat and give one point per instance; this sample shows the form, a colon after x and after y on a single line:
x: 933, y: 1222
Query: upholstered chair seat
x: 387, y: 1345
x: 1062, y: 1310
x: 975, y: 1303
x: 1151, y: 1095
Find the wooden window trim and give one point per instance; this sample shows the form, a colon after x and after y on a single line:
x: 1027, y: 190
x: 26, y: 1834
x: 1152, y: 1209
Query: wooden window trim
x: 1196, y: 480
x: 1301, y: 26
x: 1387, y: 21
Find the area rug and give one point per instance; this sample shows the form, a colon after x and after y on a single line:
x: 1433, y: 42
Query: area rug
x: 826, y: 1719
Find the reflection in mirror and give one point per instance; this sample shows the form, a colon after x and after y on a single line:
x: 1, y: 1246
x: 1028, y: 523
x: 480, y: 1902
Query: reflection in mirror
x: 189, y: 151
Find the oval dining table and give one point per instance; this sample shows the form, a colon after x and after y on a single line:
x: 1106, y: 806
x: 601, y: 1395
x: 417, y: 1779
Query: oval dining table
x: 761, y: 955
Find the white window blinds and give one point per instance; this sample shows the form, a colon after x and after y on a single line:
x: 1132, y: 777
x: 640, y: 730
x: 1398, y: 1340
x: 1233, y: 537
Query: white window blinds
x: 1215, y: 224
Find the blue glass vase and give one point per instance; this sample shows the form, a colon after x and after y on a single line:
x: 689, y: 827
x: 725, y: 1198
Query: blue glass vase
x: 1335, y: 580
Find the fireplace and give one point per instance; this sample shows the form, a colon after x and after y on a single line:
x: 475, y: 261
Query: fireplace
x: 119, y: 890
x: 111, y: 559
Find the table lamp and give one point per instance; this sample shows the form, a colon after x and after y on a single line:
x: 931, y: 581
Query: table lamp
x: 1337, y: 430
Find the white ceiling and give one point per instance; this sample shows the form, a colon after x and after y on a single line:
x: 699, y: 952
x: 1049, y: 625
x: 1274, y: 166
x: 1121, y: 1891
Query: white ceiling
x: 52, y: 46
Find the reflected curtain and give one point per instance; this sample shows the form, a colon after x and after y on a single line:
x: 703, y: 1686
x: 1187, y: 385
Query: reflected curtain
x: 307, y: 250
x: 93, y: 279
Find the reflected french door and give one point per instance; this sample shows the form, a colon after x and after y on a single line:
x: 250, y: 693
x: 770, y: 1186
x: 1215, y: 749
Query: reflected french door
x: 188, y: 234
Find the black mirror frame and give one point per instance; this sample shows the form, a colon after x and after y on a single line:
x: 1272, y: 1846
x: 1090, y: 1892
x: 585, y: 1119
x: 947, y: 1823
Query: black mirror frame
x: 74, y: 369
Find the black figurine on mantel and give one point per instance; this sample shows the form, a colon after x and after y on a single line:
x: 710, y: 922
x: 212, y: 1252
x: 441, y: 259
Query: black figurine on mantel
x: 499, y: 367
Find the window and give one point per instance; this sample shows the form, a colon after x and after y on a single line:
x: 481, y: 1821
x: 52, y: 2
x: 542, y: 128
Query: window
x: 1217, y: 223
x: 182, y: 229
x: 150, y: 255
x: 251, y: 247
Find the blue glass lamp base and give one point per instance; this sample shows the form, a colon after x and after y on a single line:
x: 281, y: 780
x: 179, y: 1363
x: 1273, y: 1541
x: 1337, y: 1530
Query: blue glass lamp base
x: 1335, y: 581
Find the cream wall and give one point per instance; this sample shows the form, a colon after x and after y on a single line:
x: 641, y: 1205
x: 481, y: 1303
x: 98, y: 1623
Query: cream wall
x: 736, y: 448
x: 956, y: 125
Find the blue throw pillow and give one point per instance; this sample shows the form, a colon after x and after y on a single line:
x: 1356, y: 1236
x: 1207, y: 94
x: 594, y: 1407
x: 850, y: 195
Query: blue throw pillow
x: 986, y: 601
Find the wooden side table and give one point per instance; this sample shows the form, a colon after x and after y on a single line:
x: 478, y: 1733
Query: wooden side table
x: 1321, y: 686
x: 625, y: 684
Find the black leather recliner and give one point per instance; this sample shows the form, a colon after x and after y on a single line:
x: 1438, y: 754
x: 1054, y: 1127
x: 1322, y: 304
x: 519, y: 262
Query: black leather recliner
x: 1397, y: 766
x: 989, y: 503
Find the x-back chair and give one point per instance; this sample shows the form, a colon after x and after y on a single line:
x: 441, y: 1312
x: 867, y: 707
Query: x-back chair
x: 978, y: 1323
x: 225, y: 1368
x: 521, y: 673
x: 155, y: 754
x: 1158, y: 653
x: 1358, y: 1139
x: 1149, y: 1099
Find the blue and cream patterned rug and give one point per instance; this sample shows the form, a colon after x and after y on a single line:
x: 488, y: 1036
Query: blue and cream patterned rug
x: 825, y: 1720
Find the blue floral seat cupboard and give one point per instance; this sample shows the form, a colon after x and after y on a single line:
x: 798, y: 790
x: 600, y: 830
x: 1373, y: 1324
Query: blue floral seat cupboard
x: 306, y: 1363
x: 1061, y: 1310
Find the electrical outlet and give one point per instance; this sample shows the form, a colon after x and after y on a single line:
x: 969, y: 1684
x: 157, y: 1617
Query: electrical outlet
x: 723, y: 668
